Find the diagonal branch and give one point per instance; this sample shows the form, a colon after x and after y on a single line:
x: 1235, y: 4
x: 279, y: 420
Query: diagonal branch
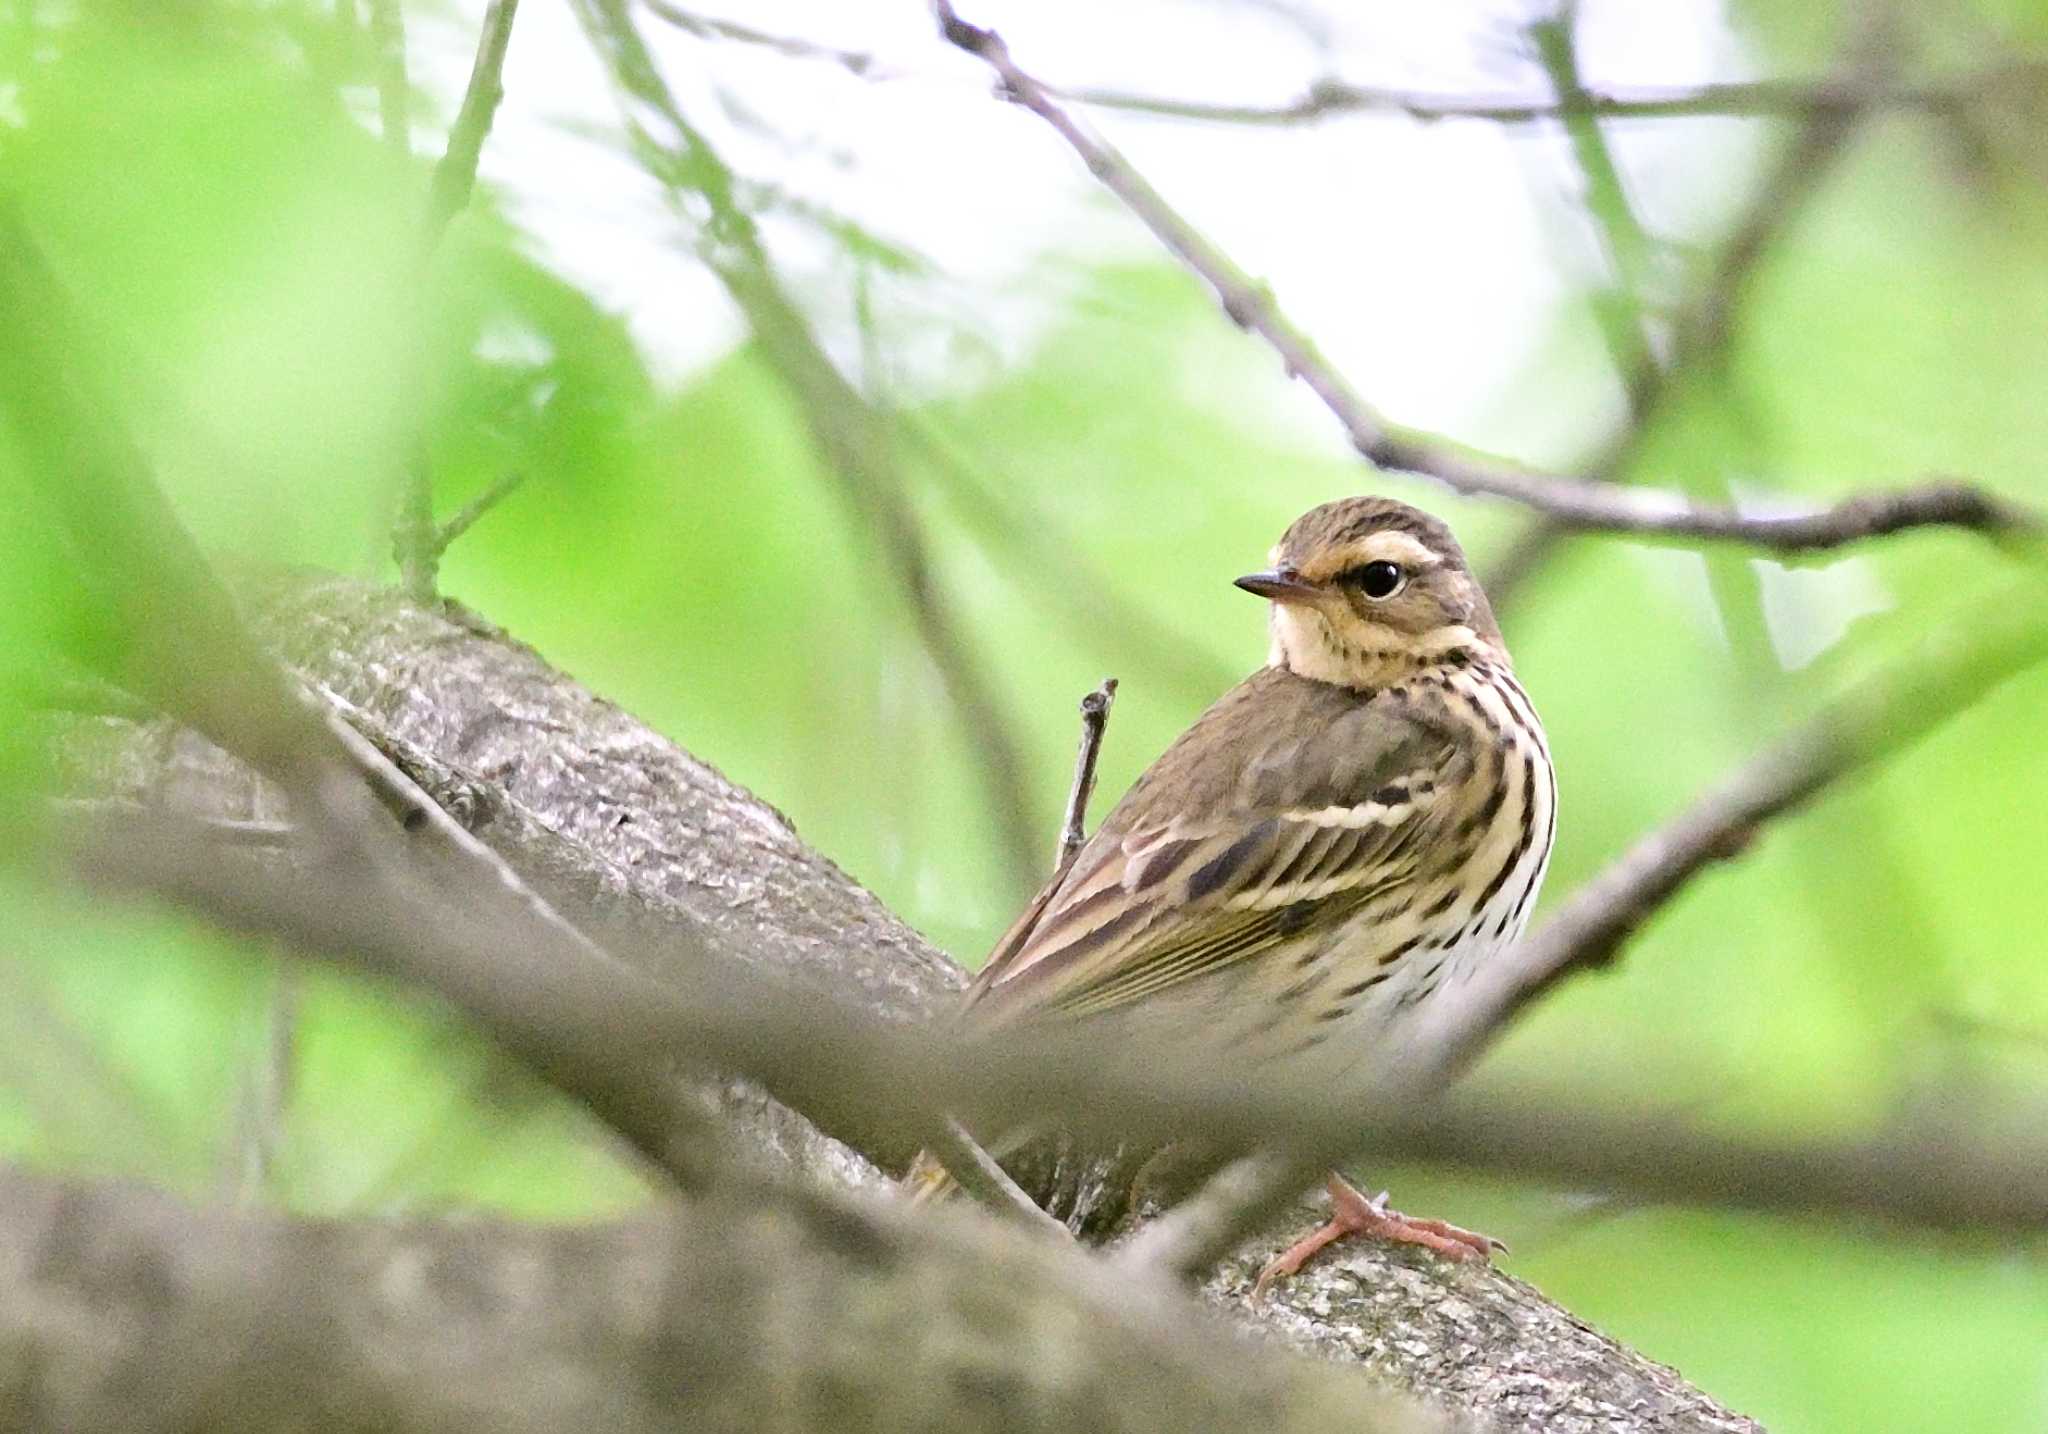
x: 547, y: 742
x: 455, y: 175
x: 857, y: 442
x: 1949, y: 672
x: 1576, y: 502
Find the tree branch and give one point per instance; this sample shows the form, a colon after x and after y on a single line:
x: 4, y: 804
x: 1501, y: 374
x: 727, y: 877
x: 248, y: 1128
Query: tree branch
x: 766, y: 1310
x: 1575, y: 502
x: 1951, y: 670
x: 455, y: 176
x: 1743, y: 99
x: 694, y: 841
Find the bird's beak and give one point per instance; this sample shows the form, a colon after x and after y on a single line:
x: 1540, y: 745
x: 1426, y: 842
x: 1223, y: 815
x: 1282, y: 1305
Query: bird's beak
x: 1282, y: 585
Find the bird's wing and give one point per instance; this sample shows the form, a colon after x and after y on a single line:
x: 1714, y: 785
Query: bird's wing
x: 1228, y: 849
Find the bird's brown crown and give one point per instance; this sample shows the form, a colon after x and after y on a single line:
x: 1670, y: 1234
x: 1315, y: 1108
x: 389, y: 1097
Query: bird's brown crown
x: 1366, y: 590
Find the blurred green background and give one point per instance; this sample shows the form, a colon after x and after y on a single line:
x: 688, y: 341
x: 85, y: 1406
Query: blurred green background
x: 210, y: 179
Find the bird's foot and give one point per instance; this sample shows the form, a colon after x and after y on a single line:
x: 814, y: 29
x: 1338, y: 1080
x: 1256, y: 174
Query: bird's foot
x: 1352, y: 1213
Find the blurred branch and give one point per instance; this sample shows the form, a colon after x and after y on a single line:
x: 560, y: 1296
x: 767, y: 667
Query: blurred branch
x: 184, y: 648
x: 856, y: 441
x: 1618, y: 312
x: 821, y: 1055
x: 1703, y: 335
x: 394, y: 87
x: 1237, y: 1201
x: 1754, y: 99
x: 417, y: 543
x: 1035, y: 544
x: 252, y: 1321
x: 708, y: 27
x: 979, y: 1174
x: 455, y: 176
x: 1094, y: 722
x: 1951, y: 671
x: 1577, y: 503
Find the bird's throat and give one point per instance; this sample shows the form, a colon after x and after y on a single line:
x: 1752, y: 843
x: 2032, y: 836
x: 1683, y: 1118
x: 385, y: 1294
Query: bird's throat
x: 1304, y: 643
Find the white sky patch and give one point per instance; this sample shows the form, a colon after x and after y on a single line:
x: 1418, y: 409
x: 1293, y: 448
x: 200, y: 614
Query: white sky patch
x: 503, y: 341
x: 1809, y: 609
x: 1422, y: 257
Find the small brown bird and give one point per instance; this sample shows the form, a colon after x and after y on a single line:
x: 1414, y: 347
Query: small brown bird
x: 1352, y: 829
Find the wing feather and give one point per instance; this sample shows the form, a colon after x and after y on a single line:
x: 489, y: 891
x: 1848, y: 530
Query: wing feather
x: 1307, y: 832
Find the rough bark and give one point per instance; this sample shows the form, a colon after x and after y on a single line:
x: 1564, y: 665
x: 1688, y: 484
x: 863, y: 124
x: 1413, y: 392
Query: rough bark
x: 617, y: 826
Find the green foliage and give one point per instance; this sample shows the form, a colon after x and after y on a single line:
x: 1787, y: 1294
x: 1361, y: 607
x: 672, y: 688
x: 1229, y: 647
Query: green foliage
x: 245, y: 249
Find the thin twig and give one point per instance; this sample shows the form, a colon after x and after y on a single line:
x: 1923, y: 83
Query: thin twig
x: 1754, y: 99
x: 417, y: 543
x: 1577, y: 502
x: 708, y: 27
x: 1333, y: 98
x: 475, y: 508
x: 1094, y: 721
x: 981, y: 1176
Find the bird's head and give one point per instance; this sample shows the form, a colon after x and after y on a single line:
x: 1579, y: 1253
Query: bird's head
x: 1366, y: 591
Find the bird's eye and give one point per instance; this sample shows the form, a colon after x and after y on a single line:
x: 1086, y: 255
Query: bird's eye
x: 1379, y: 579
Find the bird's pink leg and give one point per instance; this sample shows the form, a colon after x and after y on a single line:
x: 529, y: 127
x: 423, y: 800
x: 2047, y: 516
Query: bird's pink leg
x: 1351, y: 1213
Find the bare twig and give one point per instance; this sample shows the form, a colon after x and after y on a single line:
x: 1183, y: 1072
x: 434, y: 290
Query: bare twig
x: 1576, y: 502
x: 1332, y: 98
x: 416, y: 541
x: 465, y: 518
x: 1094, y: 721
x: 1755, y: 99
x: 708, y: 27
